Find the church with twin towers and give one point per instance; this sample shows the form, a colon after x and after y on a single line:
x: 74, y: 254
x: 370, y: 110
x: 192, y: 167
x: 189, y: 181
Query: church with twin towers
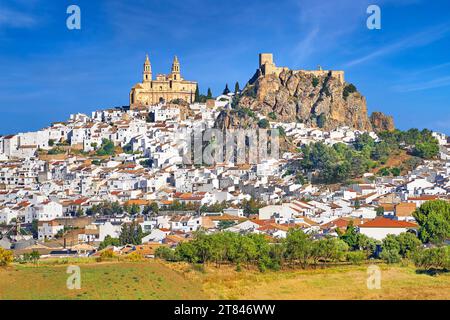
x: 166, y: 87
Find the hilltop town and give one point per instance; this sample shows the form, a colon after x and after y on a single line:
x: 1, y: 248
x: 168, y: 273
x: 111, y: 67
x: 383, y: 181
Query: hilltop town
x: 71, y: 188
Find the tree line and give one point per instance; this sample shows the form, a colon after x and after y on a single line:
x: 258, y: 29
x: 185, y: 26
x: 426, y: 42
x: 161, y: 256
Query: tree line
x: 303, y: 250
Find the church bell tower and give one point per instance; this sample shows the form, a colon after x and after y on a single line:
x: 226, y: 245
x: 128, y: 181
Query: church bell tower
x: 147, y: 74
x: 176, y: 69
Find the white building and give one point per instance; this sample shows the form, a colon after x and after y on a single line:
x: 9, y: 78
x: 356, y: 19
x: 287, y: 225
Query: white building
x: 380, y: 227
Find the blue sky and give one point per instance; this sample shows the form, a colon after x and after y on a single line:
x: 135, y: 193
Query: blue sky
x: 48, y: 72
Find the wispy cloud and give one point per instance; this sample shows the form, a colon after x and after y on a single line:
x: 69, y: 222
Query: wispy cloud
x: 416, y: 40
x: 426, y: 85
x: 15, y: 19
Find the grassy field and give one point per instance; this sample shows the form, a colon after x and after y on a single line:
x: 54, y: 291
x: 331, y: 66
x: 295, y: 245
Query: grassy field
x: 157, y: 280
x: 121, y: 280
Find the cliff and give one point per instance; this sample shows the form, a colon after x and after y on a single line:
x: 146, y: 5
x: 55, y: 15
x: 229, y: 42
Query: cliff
x: 318, y: 101
x: 381, y: 122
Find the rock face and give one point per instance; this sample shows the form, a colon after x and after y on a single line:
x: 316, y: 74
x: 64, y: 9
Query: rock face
x: 321, y: 101
x: 381, y: 122
x: 232, y: 119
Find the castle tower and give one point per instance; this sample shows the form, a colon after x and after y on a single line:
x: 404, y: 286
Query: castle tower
x: 147, y: 74
x: 176, y: 69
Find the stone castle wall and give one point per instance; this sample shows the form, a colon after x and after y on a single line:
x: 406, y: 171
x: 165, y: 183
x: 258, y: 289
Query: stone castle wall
x: 267, y: 66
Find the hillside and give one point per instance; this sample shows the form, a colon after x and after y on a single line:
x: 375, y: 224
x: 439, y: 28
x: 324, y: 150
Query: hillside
x: 317, y: 100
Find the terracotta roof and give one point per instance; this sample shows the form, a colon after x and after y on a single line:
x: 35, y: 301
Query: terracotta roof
x: 405, y: 209
x: 382, y: 222
x: 423, y: 198
x: 139, y: 202
x: 227, y: 217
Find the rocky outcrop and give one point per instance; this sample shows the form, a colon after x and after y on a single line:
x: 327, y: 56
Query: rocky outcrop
x: 322, y: 101
x: 381, y: 122
x: 234, y: 119
x: 243, y: 119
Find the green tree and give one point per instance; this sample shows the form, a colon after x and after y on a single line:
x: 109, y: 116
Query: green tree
x: 434, y: 221
x: 263, y: 124
x: 135, y: 209
x: 272, y: 115
x: 298, y: 247
x: 321, y: 120
x: 426, y: 150
x: 434, y: 258
x: 35, y: 256
x: 131, y: 234
x: 226, y: 90
x: 349, y: 89
x: 225, y: 224
x: 281, y: 131
x: 408, y: 244
x: 166, y: 254
x: 151, y: 208
x: 390, y: 249
x: 79, y: 212
x: 106, y: 149
x: 109, y: 241
x: 350, y: 237
x: 380, y: 211
x: 251, y: 206
x: 236, y: 88
x: 364, y: 140
x: 395, y: 171
x: 355, y: 257
x: 197, y: 95
x: 315, y: 81
x: 209, y: 95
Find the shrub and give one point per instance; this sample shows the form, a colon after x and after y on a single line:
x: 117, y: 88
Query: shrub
x: 6, y: 257
x: 356, y: 257
x: 315, y: 81
x: 321, y: 119
x: 390, y: 256
x: 435, y: 258
x: 106, y: 256
x: 350, y: 88
x: 55, y: 151
x: 263, y: 124
x: 106, y: 149
x: 134, y: 256
x: 166, y: 254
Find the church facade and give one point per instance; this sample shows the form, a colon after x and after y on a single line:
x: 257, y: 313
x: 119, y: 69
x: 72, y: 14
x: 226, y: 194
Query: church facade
x: 163, y: 88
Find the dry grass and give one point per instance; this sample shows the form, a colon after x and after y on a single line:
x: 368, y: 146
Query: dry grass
x: 343, y: 283
x: 162, y: 280
x: 117, y: 280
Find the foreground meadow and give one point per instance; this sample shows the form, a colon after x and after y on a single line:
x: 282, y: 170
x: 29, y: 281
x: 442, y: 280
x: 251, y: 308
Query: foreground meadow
x: 152, y: 280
